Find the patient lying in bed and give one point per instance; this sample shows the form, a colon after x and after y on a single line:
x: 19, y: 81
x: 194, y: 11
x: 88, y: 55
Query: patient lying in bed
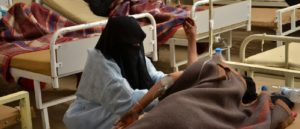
x: 209, y: 95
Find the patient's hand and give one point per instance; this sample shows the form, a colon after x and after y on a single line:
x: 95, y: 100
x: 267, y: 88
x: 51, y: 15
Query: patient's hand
x: 127, y: 119
x: 189, y: 27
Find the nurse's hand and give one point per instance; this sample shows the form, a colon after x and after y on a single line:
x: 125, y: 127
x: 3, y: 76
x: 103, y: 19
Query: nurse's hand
x: 127, y: 119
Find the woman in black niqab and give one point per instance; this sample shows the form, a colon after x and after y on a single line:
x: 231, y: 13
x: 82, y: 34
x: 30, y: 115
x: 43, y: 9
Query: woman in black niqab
x: 122, y: 41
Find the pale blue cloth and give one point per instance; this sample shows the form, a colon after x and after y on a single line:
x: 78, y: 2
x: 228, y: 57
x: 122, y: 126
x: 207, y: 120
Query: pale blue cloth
x: 103, y: 94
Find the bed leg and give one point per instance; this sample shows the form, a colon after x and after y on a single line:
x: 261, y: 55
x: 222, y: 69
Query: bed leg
x: 39, y: 105
x: 45, y: 118
x: 173, y: 55
x: 26, y: 122
x: 229, y: 45
x: 289, y: 80
x: 250, y: 73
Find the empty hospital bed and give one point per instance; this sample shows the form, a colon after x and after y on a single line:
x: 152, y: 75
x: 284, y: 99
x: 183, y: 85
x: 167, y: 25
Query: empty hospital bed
x: 281, y: 60
x: 58, y: 61
x: 282, y: 20
x: 238, y: 15
x: 275, y: 15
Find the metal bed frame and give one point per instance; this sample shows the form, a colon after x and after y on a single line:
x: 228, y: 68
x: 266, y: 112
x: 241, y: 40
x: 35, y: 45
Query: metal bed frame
x: 236, y: 19
x: 289, y: 74
x: 24, y: 103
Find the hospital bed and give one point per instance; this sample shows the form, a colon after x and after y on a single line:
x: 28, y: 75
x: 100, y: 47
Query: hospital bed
x: 238, y: 15
x: 274, y: 15
x: 282, y: 20
x: 283, y: 60
x: 65, y: 59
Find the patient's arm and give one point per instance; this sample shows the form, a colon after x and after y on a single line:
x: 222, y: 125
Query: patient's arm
x: 156, y: 90
x: 189, y: 27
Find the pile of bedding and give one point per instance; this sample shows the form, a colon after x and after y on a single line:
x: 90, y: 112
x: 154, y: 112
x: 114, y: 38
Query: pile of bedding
x: 168, y: 18
x: 30, y: 28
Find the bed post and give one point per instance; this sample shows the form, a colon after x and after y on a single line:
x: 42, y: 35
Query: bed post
x: 37, y: 1
x: 211, y: 27
x: 249, y: 16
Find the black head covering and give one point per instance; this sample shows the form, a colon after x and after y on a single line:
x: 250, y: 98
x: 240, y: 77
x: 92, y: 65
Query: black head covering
x: 292, y: 2
x: 122, y: 41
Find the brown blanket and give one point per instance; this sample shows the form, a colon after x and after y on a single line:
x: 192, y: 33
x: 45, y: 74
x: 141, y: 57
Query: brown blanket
x: 208, y: 96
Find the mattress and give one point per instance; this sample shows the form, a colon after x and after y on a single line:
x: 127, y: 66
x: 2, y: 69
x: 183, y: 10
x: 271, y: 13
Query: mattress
x: 37, y: 62
x: 265, y: 17
x: 276, y: 57
x: 75, y: 10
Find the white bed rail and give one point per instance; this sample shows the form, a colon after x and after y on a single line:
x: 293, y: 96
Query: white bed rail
x: 24, y: 103
x: 265, y: 37
x: 293, y: 18
x: 238, y: 15
x: 61, y: 66
x: 251, y: 68
x: 215, y: 18
x: 235, y: 13
x: 259, y: 3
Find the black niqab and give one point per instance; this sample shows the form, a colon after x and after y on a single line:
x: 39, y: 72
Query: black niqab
x: 122, y: 41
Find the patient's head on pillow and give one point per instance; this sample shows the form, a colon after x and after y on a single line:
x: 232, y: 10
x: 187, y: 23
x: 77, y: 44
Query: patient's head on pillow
x: 122, y: 41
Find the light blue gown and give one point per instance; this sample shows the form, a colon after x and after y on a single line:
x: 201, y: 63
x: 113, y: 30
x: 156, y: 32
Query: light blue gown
x: 103, y: 95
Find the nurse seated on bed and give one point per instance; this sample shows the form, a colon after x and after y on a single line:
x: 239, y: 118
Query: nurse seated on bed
x: 117, y: 75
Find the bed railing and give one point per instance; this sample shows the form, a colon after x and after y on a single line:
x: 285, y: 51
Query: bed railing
x: 24, y: 103
x: 218, y: 19
x: 293, y: 18
x: 218, y: 24
x: 251, y: 68
x: 259, y: 3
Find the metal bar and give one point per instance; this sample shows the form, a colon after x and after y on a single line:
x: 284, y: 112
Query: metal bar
x: 279, y: 26
x: 211, y: 27
x: 23, y: 96
x: 260, y: 68
x: 25, y: 112
x: 250, y: 38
